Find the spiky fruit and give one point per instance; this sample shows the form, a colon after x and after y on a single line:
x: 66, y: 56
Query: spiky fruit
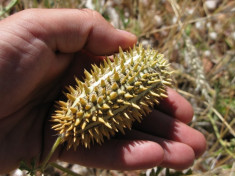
x: 112, y: 97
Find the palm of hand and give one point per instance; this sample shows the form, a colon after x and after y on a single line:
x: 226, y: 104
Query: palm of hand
x: 32, y: 73
x: 31, y: 83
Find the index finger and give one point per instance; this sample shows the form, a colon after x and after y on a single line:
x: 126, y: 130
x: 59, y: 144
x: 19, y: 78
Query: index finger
x: 70, y: 30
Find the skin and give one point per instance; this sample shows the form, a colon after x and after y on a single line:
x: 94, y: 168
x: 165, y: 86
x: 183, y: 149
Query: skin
x: 40, y: 52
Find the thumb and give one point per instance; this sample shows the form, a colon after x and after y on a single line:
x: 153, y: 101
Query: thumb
x: 70, y: 30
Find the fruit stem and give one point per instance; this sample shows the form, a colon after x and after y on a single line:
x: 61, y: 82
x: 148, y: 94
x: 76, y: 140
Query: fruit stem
x: 54, y: 147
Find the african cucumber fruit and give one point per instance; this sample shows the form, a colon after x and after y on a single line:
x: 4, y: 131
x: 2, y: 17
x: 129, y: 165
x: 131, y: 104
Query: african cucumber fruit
x: 112, y: 96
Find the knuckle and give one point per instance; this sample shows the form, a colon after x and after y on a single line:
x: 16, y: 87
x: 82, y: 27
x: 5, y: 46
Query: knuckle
x: 28, y: 14
x: 91, y: 13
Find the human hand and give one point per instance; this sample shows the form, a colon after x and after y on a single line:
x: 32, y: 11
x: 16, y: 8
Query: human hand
x: 40, y: 52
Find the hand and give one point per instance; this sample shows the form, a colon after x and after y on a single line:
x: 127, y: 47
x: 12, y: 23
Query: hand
x: 40, y: 52
x: 162, y: 139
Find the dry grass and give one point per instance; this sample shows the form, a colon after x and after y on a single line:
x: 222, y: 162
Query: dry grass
x: 200, y: 44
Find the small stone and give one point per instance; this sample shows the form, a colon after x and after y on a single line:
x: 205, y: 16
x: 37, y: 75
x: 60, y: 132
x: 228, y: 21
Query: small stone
x: 233, y: 35
x: 207, y: 53
x: 211, y: 4
x: 208, y: 25
x: 79, y: 169
x: 63, y: 164
x: 158, y: 20
x: 190, y: 11
x: 174, y: 20
x: 18, y: 172
x: 213, y: 35
x: 145, y: 42
x: 89, y: 4
x: 200, y: 25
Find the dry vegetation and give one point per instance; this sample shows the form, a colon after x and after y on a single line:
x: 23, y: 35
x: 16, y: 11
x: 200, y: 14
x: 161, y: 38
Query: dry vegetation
x: 198, y: 37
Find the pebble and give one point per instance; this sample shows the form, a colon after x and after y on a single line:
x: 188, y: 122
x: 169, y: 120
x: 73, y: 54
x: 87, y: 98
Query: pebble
x: 18, y: 172
x: 158, y: 20
x: 63, y: 164
x: 233, y: 35
x: 174, y: 20
x: 207, y: 53
x: 208, y: 25
x: 211, y: 4
x: 79, y: 169
x: 190, y: 11
x: 145, y: 42
x: 213, y: 35
x: 89, y: 4
x: 200, y: 25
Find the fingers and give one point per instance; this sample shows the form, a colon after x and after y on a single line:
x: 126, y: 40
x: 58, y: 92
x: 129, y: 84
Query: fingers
x: 164, y: 126
x: 135, y: 150
x: 177, y: 155
x: 176, y: 106
x: 117, y: 154
x: 70, y: 30
x: 180, y: 144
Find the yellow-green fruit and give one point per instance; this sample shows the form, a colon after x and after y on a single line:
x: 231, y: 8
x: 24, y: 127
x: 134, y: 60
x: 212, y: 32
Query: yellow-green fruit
x: 112, y: 96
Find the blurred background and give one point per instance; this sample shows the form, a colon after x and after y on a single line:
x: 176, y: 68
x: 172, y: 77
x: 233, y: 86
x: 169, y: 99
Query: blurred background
x: 198, y: 39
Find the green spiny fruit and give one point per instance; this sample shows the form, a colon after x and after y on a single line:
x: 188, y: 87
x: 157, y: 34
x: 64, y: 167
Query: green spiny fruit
x: 112, y: 96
